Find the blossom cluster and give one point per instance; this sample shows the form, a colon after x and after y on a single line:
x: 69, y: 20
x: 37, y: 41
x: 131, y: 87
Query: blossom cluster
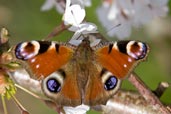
x: 126, y: 13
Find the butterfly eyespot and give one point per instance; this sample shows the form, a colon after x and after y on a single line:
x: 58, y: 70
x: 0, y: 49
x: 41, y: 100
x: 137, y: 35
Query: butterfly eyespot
x: 27, y: 50
x: 53, y: 85
x: 111, y: 83
x: 137, y: 50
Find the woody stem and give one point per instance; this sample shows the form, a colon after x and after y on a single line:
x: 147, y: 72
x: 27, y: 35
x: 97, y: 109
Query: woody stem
x: 57, y: 30
x: 147, y: 93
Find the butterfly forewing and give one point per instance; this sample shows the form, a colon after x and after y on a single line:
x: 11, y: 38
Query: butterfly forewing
x: 121, y: 57
x: 41, y: 58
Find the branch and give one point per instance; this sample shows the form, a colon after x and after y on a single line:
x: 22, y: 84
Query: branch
x: 149, y: 96
x: 56, y: 31
x: 128, y: 102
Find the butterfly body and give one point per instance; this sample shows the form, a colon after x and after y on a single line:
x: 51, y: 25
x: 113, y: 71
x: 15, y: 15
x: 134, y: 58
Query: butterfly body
x: 72, y: 75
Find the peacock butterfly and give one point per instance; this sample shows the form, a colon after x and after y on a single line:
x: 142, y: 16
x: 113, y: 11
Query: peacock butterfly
x: 73, y: 75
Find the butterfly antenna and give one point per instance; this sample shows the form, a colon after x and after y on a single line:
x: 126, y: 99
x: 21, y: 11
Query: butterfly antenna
x: 113, y: 27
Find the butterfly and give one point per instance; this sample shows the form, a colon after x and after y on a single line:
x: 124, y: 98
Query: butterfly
x: 73, y: 75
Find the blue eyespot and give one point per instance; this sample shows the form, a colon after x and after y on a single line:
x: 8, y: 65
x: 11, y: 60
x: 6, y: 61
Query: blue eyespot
x: 25, y: 50
x: 53, y: 85
x: 18, y: 52
x: 111, y: 83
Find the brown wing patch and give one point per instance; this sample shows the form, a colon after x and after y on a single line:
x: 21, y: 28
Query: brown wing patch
x: 70, y: 94
x: 94, y: 92
x: 70, y: 88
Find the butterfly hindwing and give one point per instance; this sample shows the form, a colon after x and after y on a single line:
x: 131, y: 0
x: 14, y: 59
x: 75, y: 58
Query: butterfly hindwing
x: 101, y: 87
x: 62, y: 88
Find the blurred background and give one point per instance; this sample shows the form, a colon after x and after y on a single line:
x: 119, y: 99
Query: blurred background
x: 25, y: 21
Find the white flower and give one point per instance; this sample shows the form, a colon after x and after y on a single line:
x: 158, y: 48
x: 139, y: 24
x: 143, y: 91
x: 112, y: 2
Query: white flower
x: 86, y: 3
x: 81, y: 29
x: 129, y: 13
x: 60, y: 4
x: 74, y: 16
x: 81, y: 109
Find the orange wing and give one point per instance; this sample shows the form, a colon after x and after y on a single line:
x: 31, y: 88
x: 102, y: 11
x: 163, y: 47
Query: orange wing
x: 121, y: 57
x: 50, y: 61
x: 41, y: 58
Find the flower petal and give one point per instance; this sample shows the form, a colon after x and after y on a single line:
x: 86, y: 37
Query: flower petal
x: 49, y: 4
x: 130, y: 14
x: 81, y: 109
x: 74, y: 14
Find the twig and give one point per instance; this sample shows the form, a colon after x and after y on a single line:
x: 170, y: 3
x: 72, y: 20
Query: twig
x: 161, y: 89
x: 48, y: 102
x: 147, y: 93
x: 57, y: 30
x: 4, y: 105
x: 22, y: 109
